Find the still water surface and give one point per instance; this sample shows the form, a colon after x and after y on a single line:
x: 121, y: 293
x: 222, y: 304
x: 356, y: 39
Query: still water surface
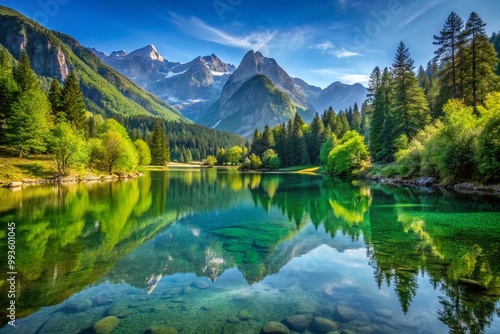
x: 223, y: 252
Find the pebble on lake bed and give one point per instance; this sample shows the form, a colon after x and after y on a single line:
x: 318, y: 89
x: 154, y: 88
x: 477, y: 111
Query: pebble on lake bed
x: 157, y: 329
x: 274, y: 327
x: 106, y: 325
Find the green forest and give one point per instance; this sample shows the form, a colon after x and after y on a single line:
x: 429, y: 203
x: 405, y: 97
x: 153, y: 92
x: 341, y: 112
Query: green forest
x: 57, y: 123
x: 441, y: 121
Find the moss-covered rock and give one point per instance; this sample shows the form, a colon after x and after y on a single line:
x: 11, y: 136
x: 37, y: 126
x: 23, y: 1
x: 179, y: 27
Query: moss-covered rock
x: 106, y: 325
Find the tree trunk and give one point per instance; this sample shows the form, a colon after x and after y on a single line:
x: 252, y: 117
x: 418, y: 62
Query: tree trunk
x: 20, y: 153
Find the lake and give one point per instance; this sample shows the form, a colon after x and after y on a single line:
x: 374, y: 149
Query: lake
x: 207, y: 251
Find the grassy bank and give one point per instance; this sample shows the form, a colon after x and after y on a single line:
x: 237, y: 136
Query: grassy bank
x: 13, y: 168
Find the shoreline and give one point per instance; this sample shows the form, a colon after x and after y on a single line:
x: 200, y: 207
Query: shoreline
x: 468, y: 188
x: 69, y: 180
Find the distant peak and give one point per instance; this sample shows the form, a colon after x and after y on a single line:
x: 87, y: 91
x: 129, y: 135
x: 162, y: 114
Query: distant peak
x: 149, y: 51
x: 120, y: 53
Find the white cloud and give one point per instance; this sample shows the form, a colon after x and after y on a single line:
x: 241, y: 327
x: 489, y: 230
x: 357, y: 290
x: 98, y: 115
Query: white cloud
x: 198, y: 28
x: 344, y: 53
x: 347, y: 78
x: 323, y: 46
x: 355, y: 78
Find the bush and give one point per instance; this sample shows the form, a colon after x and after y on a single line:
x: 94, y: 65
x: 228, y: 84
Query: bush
x: 326, y: 148
x: 488, y: 151
x: 211, y: 161
x: 255, y: 162
x: 351, y: 153
x: 143, y: 151
x: 270, y: 159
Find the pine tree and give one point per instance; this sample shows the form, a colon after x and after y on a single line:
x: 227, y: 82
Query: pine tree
x: 343, y: 125
x: 495, y: 40
x: 73, y: 104
x: 364, y: 127
x: 9, y: 91
x: 448, y: 43
x: 298, y: 152
x: 480, y: 63
x: 267, y: 139
x: 56, y: 103
x: 24, y: 76
x: 349, y: 116
x: 316, y: 138
x: 409, y: 107
x: 256, y: 147
x: 380, y: 86
x: 160, y: 153
x: 356, y: 118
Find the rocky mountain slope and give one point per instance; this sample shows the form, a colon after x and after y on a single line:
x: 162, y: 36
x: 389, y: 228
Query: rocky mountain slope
x: 54, y: 54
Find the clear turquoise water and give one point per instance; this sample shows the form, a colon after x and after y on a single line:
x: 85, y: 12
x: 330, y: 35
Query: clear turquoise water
x: 225, y: 252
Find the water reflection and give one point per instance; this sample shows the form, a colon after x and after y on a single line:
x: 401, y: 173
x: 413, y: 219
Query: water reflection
x: 278, y: 231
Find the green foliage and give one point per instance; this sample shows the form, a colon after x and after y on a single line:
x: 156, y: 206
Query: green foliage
x: 222, y: 157
x: 326, y: 148
x: 211, y: 161
x: 254, y: 161
x: 24, y: 75
x: 56, y: 101
x: 270, y: 159
x: 235, y: 155
x: 118, y: 153
x: 160, y: 154
x: 488, y: 142
x: 348, y: 155
x: 143, y: 151
x: 72, y: 104
x: 69, y: 148
x: 28, y: 127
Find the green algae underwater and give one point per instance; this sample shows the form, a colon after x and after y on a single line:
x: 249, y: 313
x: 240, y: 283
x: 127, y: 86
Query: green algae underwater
x: 207, y: 251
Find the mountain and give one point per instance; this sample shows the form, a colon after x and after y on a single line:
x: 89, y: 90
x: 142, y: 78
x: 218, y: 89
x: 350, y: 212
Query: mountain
x: 190, y: 87
x: 106, y: 91
x: 311, y: 93
x: 255, y: 63
x: 340, y: 96
x: 99, y: 54
x: 256, y: 103
x: 259, y: 92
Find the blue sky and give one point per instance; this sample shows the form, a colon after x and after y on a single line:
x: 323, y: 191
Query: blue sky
x: 318, y: 41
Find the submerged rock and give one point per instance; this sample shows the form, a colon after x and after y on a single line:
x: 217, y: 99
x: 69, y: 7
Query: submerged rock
x: 106, y: 325
x: 158, y: 329
x: 205, y: 307
x: 187, y: 290
x: 345, y: 314
x: 78, y: 305
x: 274, y: 327
x: 298, y: 322
x: 116, y: 309
x: 200, y: 285
x: 233, y: 320
x: 322, y: 325
x: 178, y: 300
x: 244, y: 315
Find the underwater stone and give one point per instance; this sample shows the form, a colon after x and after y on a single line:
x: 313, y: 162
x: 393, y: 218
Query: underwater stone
x: 205, y: 307
x: 102, y: 300
x: 323, y: 325
x: 233, y: 320
x: 79, y: 305
x: 344, y: 314
x: 125, y: 313
x: 244, y: 315
x: 106, y: 325
x: 274, y: 327
x: 187, y: 290
x: 200, y: 285
x: 116, y: 309
x: 298, y: 322
x: 178, y: 300
x: 157, y: 329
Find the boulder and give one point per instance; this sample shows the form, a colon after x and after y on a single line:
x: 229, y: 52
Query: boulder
x: 80, y: 305
x: 323, y: 325
x: 344, y: 314
x: 274, y: 327
x: 200, y: 285
x: 15, y: 184
x: 298, y: 322
x: 106, y: 325
x: 116, y: 309
x: 233, y: 320
x: 244, y: 315
x: 187, y: 290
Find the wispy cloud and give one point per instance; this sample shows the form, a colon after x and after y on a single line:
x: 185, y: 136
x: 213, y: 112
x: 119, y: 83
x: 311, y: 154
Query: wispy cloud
x: 347, y: 78
x: 419, y: 12
x: 323, y: 46
x: 198, y: 28
x: 344, y: 53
